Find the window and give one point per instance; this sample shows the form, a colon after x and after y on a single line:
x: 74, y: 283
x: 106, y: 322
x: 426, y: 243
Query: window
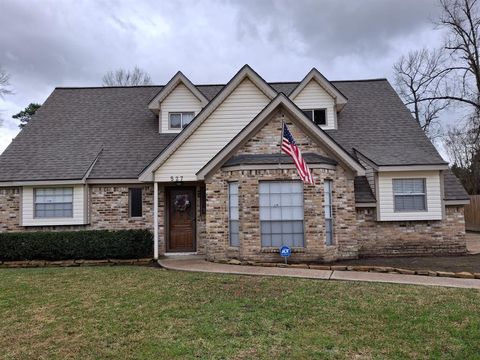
x: 318, y: 116
x: 233, y: 214
x: 328, y: 209
x: 53, y: 203
x: 409, y: 195
x: 203, y: 200
x: 180, y: 120
x: 135, y: 202
x: 281, y: 213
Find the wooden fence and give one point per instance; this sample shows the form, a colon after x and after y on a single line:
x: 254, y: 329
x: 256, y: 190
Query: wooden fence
x: 472, y: 214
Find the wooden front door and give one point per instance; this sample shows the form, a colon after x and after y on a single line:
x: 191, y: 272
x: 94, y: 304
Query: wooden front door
x: 181, y: 219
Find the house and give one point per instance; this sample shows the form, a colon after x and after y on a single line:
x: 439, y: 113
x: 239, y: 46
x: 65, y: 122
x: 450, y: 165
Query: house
x: 200, y: 165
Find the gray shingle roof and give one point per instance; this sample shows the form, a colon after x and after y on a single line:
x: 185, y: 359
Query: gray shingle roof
x: 453, y: 189
x: 75, y: 124
x: 262, y: 159
x: 67, y: 133
x: 363, y: 192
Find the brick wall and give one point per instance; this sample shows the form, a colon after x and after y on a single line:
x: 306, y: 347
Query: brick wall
x: 266, y: 141
x: 400, y: 238
x: 10, y: 209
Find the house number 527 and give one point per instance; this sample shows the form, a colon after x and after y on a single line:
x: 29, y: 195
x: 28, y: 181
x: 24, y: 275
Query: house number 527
x: 176, y: 178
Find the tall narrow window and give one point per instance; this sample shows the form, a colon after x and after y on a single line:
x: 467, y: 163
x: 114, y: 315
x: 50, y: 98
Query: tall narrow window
x: 233, y: 214
x: 410, y: 194
x: 135, y: 199
x: 54, y: 203
x: 281, y: 213
x: 328, y: 209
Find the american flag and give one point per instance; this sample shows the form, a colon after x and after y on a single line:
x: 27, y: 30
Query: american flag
x: 289, y: 147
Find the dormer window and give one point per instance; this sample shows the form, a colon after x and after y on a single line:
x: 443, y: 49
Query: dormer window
x: 318, y: 116
x: 178, y: 120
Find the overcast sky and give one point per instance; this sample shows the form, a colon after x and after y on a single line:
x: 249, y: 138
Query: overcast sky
x: 44, y: 44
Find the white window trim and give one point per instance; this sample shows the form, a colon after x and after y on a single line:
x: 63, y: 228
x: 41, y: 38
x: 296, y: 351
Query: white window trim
x: 424, y: 194
x: 181, y: 113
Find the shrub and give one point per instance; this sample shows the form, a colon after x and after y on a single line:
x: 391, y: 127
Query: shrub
x: 85, y: 244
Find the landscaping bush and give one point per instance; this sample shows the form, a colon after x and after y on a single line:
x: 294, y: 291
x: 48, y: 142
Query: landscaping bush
x: 64, y: 245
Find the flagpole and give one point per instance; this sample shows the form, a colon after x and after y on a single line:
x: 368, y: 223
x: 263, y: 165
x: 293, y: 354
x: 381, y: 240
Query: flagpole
x: 281, y: 140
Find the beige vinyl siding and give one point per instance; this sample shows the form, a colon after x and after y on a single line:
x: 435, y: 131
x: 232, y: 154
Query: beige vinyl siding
x: 179, y: 100
x: 313, y: 96
x: 386, y: 200
x: 238, y: 109
x: 79, y: 213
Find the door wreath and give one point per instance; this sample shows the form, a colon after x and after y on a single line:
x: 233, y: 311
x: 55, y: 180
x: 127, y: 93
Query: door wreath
x: 181, y: 203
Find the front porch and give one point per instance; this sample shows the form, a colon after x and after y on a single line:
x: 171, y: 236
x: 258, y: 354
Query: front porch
x: 179, y: 218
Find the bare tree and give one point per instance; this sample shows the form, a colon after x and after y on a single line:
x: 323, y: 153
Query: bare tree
x: 419, y: 76
x: 465, y: 156
x: 4, y: 83
x: 122, y: 77
x: 461, y: 19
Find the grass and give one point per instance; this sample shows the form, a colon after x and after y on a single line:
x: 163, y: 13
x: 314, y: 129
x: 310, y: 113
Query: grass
x: 145, y: 313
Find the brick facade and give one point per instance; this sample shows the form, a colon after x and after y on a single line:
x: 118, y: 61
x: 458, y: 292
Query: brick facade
x: 401, y: 238
x: 264, y: 142
x: 356, y: 231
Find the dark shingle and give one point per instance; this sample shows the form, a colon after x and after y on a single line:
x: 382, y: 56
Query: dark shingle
x: 375, y: 122
x: 74, y: 124
x: 363, y: 192
x: 265, y: 159
x: 453, y: 189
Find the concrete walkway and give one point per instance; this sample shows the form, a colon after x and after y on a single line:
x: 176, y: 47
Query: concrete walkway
x: 200, y: 265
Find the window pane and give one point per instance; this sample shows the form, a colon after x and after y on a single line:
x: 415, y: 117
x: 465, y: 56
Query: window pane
x: 320, y: 117
x: 186, y: 118
x: 408, y: 186
x: 136, y: 202
x: 328, y: 211
x: 53, y: 202
x: 410, y: 203
x: 233, y: 214
x: 266, y: 240
x: 281, y: 213
x: 175, y: 121
x: 297, y: 200
x: 308, y: 114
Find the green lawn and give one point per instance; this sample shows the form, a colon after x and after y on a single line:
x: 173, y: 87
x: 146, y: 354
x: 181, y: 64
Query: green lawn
x: 147, y: 313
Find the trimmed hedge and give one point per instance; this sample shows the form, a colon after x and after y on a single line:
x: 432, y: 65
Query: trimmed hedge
x: 85, y: 244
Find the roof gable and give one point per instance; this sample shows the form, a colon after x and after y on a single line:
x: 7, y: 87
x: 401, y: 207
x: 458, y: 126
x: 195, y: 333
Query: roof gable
x: 177, y: 79
x: 315, y: 75
x: 262, y: 118
x: 246, y: 72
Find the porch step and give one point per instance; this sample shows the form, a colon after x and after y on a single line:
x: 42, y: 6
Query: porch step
x: 183, y: 256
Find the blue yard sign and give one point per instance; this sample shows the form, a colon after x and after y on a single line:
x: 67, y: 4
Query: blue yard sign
x: 285, y: 252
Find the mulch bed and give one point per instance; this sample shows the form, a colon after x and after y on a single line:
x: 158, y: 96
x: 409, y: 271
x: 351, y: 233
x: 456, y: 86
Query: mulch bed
x: 469, y: 263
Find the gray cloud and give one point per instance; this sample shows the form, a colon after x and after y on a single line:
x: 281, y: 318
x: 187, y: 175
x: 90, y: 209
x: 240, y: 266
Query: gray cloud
x: 50, y: 43
x: 333, y: 28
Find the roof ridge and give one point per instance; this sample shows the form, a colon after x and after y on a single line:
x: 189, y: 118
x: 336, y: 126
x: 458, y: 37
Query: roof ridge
x: 105, y: 87
x: 361, y: 80
x: 155, y: 86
